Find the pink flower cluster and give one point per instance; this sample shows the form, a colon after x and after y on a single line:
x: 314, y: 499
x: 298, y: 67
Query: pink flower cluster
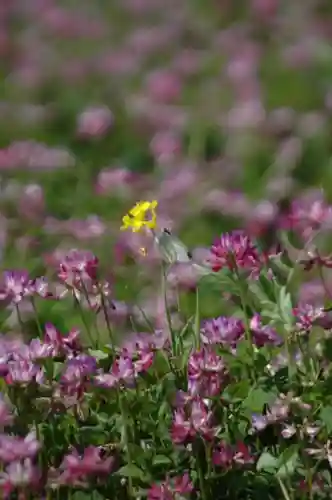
x: 235, y: 251
x: 125, y: 369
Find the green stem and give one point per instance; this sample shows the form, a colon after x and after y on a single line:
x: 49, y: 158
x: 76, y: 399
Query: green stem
x: 85, y: 323
x: 49, y: 495
x: 323, y: 280
x: 168, y: 316
x: 201, y: 478
x: 244, y: 305
x: 208, y: 455
x: 38, y: 437
x: 309, y: 477
x: 146, y: 319
x: 248, y: 336
x: 291, y: 365
x: 19, y: 317
x: 283, y: 489
x: 197, y: 321
x: 86, y: 295
x: 107, y: 320
x: 126, y: 442
x: 39, y: 327
x: 290, y: 361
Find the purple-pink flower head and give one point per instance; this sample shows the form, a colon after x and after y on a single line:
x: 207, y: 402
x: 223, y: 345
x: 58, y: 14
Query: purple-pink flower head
x: 77, y: 372
x: 234, y: 251
x: 222, y: 330
x: 225, y: 455
x: 181, y: 430
x: 61, y: 345
x: 306, y: 315
x: 122, y: 373
x: 21, y: 474
x: 259, y: 422
x: 15, y: 286
x: 16, y: 448
x: 277, y: 412
x: 42, y: 288
x: 146, y: 342
x: 202, y: 419
x: 78, y: 269
x: 76, y: 467
x: 94, y: 122
x: 206, y: 373
x: 310, y: 213
x: 38, y: 350
x: 191, y: 419
x: 263, y: 334
x: 11, y: 350
x: 142, y: 361
x: 22, y: 372
x: 172, y: 488
x: 163, y: 86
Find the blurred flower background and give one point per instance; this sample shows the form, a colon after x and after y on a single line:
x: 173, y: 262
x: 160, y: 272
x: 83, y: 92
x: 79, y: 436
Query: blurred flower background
x: 166, y: 259
x: 219, y: 110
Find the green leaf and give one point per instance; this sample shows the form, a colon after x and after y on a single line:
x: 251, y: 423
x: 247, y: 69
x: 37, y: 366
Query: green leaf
x: 134, y: 472
x: 216, y: 281
x: 87, y: 495
x: 243, y: 352
x: 161, y: 363
x: 237, y: 391
x: 267, y: 462
x: 92, y: 435
x: 286, y: 306
x: 269, y: 286
x: 259, y: 293
x: 280, y: 268
x: 187, y: 329
x: 328, y: 349
x: 257, y: 399
x: 326, y: 417
x: 288, y: 461
x: 98, y: 354
x: 262, y: 359
x: 161, y: 460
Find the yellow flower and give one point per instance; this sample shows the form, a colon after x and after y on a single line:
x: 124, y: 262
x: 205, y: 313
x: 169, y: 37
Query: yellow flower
x: 143, y: 214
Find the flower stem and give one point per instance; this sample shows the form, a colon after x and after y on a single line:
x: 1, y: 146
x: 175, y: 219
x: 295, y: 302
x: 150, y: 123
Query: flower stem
x: 85, y: 323
x: 168, y: 316
x: 126, y: 441
x: 19, y: 317
x: 324, y: 283
x: 86, y: 295
x: 248, y: 336
x: 197, y: 321
x: 283, y: 489
x: 107, y: 320
x: 200, y: 472
x: 244, y: 305
x: 40, y: 330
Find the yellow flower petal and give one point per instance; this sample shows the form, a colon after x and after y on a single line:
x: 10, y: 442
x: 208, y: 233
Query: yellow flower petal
x: 142, y: 214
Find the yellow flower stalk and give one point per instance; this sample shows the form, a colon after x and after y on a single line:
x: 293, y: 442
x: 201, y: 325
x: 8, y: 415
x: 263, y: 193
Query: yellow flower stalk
x: 143, y: 214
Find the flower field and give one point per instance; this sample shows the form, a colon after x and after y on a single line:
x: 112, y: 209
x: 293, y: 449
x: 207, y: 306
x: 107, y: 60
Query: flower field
x: 165, y: 218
